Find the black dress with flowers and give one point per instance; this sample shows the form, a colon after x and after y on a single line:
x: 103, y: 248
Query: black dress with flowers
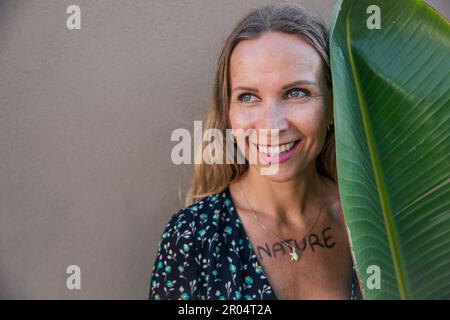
x: 204, y: 253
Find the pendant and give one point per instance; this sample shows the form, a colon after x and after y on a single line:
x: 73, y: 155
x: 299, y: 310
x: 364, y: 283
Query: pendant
x: 294, y: 255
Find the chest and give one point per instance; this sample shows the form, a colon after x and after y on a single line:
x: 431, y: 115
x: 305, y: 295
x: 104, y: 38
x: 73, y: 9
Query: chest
x: 324, y: 270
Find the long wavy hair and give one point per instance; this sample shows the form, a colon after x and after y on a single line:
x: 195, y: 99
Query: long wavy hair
x: 286, y: 18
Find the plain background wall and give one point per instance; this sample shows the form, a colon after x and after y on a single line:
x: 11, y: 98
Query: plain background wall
x: 86, y: 118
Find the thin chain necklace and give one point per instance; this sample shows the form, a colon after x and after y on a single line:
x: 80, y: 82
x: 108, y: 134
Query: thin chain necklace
x: 295, y: 255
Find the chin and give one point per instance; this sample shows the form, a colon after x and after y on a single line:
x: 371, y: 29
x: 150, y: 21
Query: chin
x: 283, y: 174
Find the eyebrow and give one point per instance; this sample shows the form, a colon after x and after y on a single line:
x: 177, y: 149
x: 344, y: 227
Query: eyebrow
x: 289, y: 85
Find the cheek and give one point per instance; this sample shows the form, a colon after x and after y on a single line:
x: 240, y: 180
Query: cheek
x: 244, y: 122
x: 240, y: 119
x: 310, y: 120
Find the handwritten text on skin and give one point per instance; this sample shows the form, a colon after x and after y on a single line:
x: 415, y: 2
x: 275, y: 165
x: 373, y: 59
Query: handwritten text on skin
x: 312, y: 241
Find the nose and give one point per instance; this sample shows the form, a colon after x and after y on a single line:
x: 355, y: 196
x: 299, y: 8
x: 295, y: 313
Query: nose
x: 274, y: 117
x: 272, y: 122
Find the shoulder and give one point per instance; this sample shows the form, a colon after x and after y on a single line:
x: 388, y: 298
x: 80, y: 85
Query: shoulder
x: 333, y: 203
x: 337, y: 212
x: 201, y: 217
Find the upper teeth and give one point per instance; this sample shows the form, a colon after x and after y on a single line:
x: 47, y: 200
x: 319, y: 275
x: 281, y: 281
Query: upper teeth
x: 274, y: 150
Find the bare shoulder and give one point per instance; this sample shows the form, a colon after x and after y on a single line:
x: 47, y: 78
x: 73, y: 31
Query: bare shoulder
x: 337, y: 211
x: 333, y: 202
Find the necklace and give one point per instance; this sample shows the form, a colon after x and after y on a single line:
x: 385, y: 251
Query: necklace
x: 295, y: 255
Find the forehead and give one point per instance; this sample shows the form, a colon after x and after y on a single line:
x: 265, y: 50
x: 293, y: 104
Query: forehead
x: 275, y: 57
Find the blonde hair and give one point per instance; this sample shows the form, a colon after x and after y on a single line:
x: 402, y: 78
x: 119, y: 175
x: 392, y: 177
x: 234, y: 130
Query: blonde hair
x: 287, y: 18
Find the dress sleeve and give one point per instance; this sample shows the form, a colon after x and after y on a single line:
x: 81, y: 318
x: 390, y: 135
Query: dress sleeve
x: 174, y: 274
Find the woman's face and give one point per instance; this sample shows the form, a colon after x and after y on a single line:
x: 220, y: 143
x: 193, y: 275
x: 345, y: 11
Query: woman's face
x: 278, y: 82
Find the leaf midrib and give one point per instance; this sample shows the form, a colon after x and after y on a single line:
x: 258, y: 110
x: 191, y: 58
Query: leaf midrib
x: 376, y: 165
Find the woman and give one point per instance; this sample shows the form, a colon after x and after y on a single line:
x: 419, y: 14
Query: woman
x: 247, y: 235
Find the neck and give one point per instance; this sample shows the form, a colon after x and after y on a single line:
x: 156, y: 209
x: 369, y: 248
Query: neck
x: 284, y: 201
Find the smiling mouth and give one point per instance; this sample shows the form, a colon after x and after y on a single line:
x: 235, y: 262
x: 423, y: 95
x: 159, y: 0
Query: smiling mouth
x: 276, y: 150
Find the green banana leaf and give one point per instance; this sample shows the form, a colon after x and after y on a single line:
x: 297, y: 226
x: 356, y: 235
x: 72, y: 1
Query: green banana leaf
x: 391, y: 90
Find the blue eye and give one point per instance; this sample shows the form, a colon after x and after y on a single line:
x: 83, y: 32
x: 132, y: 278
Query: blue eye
x: 297, y: 93
x: 246, y: 97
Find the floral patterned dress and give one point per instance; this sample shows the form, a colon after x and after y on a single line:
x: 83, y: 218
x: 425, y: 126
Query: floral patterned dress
x: 204, y: 253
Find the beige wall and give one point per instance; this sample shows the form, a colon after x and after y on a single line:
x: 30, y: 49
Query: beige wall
x: 85, y: 124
